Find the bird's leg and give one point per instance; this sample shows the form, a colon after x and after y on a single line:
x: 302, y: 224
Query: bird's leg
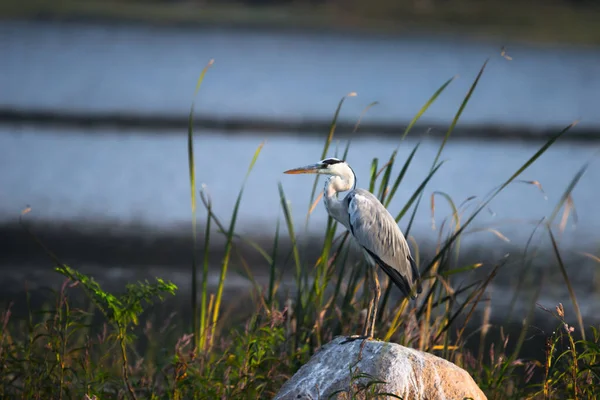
x: 370, y: 323
x: 365, y: 333
x: 377, y: 289
x: 370, y: 274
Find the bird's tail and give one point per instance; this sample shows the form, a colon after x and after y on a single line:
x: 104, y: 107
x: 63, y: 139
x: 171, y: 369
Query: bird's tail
x: 416, y: 275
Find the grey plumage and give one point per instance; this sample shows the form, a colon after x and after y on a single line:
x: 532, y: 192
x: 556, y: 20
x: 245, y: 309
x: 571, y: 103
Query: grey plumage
x: 373, y: 228
x: 377, y: 232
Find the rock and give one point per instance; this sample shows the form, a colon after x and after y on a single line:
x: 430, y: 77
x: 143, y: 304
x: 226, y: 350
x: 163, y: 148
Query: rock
x: 391, y: 368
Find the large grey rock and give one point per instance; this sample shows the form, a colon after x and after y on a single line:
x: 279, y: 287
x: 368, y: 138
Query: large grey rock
x: 404, y: 372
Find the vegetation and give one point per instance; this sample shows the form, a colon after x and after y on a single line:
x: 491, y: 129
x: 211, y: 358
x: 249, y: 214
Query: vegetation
x: 102, y: 351
x: 564, y: 21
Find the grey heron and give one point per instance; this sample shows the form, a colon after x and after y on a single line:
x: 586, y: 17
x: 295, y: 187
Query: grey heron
x: 373, y: 228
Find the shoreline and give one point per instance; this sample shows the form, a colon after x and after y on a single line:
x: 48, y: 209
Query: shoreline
x: 158, y: 124
x: 138, y: 247
x: 493, y: 22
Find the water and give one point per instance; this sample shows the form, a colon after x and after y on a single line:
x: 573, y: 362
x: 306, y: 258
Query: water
x: 128, y: 178
x: 143, y: 178
x: 120, y: 68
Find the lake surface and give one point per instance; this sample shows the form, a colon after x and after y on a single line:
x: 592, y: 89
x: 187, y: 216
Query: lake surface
x: 143, y: 178
x: 139, y: 178
x: 147, y: 70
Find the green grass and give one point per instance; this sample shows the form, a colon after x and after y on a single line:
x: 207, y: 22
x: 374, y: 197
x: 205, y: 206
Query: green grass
x: 107, y: 347
x: 535, y: 21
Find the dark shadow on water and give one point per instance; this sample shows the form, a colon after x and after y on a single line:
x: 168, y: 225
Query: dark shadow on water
x: 115, y: 257
x: 159, y: 124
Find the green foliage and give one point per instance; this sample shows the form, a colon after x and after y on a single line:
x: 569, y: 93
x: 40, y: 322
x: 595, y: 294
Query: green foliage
x: 122, y: 311
x: 362, y: 386
x: 61, y: 353
x: 572, y: 367
x: 252, y: 365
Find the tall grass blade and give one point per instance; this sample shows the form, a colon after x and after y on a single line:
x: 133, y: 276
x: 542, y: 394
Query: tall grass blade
x: 482, y: 206
x: 446, y: 137
x: 228, y: 247
x: 461, y: 270
x: 591, y: 257
x: 455, y: 215
x: 390, y: 196
x: 290, y: 224
x: 459, y: 112
x: 567, y: 192
x: 476, y: 295
x: 399, y: 179
x: 400, y: 176
x: 192, y: 172
x: 425, y: 107
x: 342, y: 254
x: 417, y: 193
x: 360, y: 117
x: 271, y: 294
x: 563, y: 270
x: 202, y: 333
x: 324, y: 265
x: 507, y: 367
x: 296, y: 255
x: 268, y: 258
x: 373, y: 174
x: 254, y: 158
x: 524, y: 271
x: 332, y: 127
x: 385, y: 180
x: 345, y: 156
x: 444, y: 141
x: 446, y: 196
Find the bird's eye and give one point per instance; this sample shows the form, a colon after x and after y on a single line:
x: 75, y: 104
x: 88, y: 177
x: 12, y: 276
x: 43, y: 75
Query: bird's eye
x: 331, y: 161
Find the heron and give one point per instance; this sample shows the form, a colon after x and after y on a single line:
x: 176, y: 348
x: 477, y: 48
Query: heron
x: 373, y: 228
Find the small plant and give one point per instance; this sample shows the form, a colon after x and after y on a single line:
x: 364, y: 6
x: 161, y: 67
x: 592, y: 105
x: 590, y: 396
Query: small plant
x: 59, y: 358
x: 44, y: 363
x: 362, y: 386
x: 251, y: 363
x: 572, y: 367
x: 121, y: 312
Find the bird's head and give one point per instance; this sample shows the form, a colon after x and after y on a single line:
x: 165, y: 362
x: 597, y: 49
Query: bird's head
x: 342, y: 176
x: 328, y: 166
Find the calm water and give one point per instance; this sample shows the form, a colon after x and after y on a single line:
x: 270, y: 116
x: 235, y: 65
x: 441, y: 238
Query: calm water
x: 143, y: 178
x: 135, y: 177
x: 131, y: 178
x: 90, y: 68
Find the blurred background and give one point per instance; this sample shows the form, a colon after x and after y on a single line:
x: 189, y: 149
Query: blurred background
x: 95, y: 96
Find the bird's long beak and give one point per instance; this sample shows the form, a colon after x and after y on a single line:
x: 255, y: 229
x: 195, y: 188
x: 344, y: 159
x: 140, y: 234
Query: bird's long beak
x: 309, y: 169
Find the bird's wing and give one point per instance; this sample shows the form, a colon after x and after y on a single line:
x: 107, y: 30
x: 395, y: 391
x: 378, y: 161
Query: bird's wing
x: 377, y: 232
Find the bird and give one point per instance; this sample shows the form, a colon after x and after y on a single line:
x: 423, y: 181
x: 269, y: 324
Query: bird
x: 373, y: 228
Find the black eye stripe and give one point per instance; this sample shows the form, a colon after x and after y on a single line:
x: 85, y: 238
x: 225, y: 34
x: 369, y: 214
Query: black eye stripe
x: 331, y: 161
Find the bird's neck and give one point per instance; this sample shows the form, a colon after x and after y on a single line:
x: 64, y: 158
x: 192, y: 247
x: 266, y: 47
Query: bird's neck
x: 335, y: 207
